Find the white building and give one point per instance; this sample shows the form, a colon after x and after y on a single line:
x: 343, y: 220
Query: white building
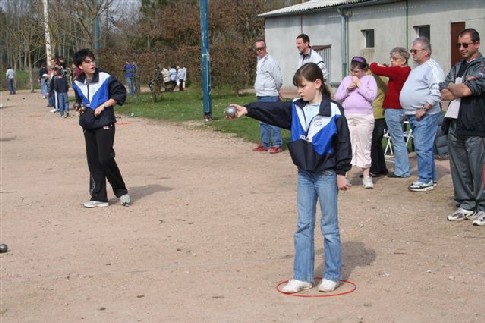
x: 341, y: 29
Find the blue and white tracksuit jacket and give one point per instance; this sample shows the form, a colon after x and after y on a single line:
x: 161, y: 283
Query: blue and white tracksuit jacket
x: 92, y: 94
x: 324, y: 145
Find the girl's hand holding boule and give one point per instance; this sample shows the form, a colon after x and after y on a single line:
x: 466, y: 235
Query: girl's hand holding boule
x: 240, y: 110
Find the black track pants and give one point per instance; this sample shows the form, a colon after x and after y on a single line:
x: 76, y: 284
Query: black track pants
x: 101, y: 162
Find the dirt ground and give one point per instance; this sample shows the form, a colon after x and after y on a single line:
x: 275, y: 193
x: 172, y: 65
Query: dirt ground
x: 210, y: 233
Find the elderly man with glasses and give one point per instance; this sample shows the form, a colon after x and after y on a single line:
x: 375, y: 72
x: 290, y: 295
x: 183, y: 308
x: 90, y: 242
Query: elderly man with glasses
x: 465, y: 125
x: 268, y: 84
x: 421, y: 100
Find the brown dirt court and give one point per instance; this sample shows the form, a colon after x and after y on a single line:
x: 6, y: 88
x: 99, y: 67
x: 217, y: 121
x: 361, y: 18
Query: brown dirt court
x: 210, y: 233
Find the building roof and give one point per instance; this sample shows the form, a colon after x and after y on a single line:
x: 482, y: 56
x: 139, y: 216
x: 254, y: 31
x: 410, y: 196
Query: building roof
x: 316, y: 5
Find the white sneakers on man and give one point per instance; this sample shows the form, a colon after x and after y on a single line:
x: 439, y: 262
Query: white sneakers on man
x: 91, y: 204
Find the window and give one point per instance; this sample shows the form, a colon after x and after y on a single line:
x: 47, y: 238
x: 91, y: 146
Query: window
x: 422, y: 31
x: 368, y: 38
x: 325, y: 52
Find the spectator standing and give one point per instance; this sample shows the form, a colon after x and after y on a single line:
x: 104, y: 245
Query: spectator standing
x: 173, y: 75
x: 181, y: 77
x: 356, y: 93
x: 421, y: 100
x: 129, y: 72
x: 465, y: 125
x: 51, y: 98
x: 60, y: 88
x: 378, y: 158
x: 10, y: 74
x: 166, y: 76
x: 268, y: 84
x: 99, y: 92
x: 308, y: 55
x: 397, y: 73
x: 43, y: 81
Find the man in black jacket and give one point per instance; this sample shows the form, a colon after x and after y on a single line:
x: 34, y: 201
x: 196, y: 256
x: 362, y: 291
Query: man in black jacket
x: 465, y: 123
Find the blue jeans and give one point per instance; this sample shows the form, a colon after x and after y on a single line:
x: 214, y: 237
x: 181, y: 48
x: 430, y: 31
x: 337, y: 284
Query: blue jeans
x: 424, y: 133
x: 395, y: 121
x: 11, y: 86
x: 270, y: 134
x: 130, y: 85
x: 62, y: 103
x: 43, y: 87
x: 321, y: 186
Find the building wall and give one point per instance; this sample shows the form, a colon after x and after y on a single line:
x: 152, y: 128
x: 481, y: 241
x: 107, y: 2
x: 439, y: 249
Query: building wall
x: 393, y: 25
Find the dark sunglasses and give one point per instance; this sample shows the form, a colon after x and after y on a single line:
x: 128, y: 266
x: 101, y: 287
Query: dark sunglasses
x: 414, y: 51
x: 465, y: 45
x: 259, y: 48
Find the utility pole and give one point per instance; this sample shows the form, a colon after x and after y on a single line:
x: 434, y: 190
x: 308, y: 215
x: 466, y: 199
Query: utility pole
x: 96, y: 31
x: 48, y: 50
x: 206, y: 74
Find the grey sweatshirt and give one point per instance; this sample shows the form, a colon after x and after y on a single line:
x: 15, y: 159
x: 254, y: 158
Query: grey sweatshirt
x: 421, y: 87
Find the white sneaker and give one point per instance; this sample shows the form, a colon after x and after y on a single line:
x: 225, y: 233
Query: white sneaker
x: 462, y: 214
x: 328, y: 285
x: 480, y: 220
x: 125, y: 200
x: 367, y: 182
x: 295, y: 286
x: 91, y: 204
x: 54, y: 110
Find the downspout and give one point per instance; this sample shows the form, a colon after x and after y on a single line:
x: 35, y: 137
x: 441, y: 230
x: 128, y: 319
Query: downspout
x: 407, y: 23
x: 345, y: 14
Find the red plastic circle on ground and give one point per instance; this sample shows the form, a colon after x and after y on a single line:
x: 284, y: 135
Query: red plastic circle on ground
x: 344, y: 282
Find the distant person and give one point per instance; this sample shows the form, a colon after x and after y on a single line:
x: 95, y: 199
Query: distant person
x: 465, y: 125
x: 99, y: 92
x: 51, y: 95
x: 421, y: 100
x: 181, y: 77
x: 43, y: 75
x: 378, y: 159
x: 129, y: 72
x: 268, y: 84
x: 320, y: 148
x: 10, y: 74
x: 61, y: 87
x: 308, y: 55
x: 356, y: 93
x: 173, y: 75
x: 397, y: 73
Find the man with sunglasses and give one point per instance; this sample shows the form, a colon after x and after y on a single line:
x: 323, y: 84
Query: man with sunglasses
x: 421, y: 100
x: 268, y: 84
x: 465, y: 83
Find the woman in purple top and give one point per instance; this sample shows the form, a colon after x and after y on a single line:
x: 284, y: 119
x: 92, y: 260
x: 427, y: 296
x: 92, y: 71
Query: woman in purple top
x: 356, y: 93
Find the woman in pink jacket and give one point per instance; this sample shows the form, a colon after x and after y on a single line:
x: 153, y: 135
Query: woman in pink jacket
x: 356, y: 93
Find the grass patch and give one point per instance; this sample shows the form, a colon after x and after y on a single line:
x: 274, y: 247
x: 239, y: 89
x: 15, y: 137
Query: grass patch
x: 188, y: 106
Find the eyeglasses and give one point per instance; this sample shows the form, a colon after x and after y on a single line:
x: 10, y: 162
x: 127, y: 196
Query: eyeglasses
x: 395, y: 58
x: 414, y: 51
x: 359, y: 59
x: 465, y: 45
x: 259, y: 48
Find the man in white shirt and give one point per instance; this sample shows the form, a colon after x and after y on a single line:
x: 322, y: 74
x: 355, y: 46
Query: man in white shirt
x: 11, y: 80
x: 308, y: 55
x: 268, y: 84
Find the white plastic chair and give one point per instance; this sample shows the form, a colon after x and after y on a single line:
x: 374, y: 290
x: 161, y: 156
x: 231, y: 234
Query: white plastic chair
x: 408, y: 134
